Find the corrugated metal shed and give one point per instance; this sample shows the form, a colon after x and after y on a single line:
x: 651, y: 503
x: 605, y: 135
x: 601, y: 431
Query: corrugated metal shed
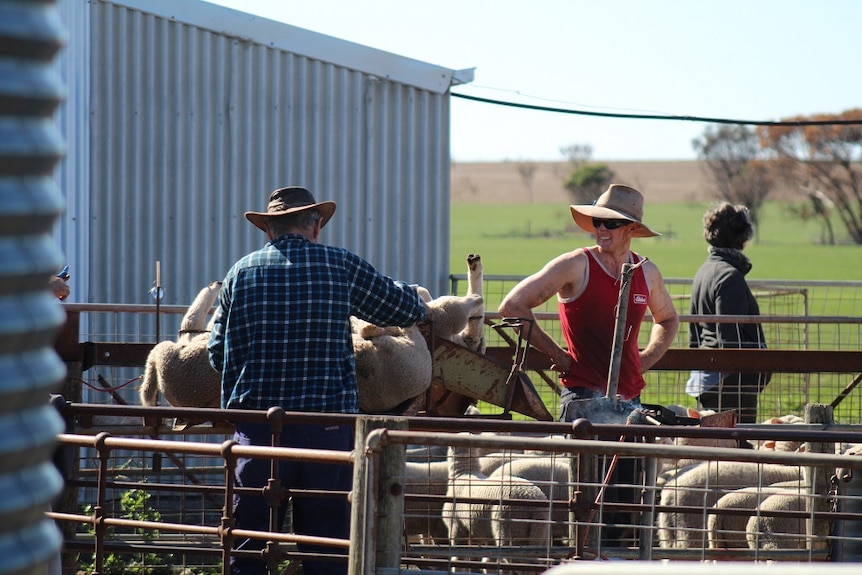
x: 181, y: 115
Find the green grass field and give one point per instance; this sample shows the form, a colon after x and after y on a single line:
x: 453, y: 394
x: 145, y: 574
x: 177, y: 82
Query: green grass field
x: 519, y: 239
x: 516, y: 240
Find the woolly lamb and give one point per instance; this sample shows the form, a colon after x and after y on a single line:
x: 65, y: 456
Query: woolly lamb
x: 552, y: 474
x: 473, y: 335
x: 700, y: 487
x: 423, y: 519
x: 726, y: 531
x: 385, y: 356
x: 766, y: 532
x: 393, y: 365
x: 668, y: 469
x: 499, y: 520
x: 181, y: 370
x: 780, y: 445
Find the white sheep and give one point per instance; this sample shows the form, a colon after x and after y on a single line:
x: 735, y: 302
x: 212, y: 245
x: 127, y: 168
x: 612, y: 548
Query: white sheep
x: 668, y: 469
x: 765, y: 531
x: 441, y: 400
x: 393, y: 364
x: 426, y: 473
x: 472, y: 336
x: 700, y: 487
x: 725, y: 530
x: 423, y: 519
x: 781, y: 444
x: 552, y: 474
x: 498, y: 519
x: 181, y: 370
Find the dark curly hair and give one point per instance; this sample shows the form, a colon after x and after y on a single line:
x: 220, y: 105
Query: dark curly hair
x: 727, y: 226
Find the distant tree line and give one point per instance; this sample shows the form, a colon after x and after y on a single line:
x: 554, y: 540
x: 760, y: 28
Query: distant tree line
x: 821, y: 162
x: 819, y: 157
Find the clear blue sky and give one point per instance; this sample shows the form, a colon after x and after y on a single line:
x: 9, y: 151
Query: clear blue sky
x: 737, y: 59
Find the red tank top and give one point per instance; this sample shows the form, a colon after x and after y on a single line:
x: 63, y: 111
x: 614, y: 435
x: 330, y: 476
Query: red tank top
x: 588, y: 327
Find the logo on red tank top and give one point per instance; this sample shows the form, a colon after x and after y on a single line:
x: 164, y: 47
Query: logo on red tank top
x: 639, y: 298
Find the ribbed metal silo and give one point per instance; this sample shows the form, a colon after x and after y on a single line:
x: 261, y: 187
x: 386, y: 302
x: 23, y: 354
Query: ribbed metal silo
x: 30, y: 147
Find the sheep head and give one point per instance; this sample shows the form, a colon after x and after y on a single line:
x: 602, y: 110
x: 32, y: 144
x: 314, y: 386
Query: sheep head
x: 450, y: 313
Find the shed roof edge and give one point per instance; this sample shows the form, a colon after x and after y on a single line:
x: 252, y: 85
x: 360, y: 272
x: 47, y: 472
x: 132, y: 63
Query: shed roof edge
x: 256, y: 29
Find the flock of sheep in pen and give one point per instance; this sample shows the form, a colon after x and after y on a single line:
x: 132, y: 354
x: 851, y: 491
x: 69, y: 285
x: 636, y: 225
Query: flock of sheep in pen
x: 728, y: 505
x: 478, y: 496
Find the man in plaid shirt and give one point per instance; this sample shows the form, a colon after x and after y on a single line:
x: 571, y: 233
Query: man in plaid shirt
x: 281, y: 337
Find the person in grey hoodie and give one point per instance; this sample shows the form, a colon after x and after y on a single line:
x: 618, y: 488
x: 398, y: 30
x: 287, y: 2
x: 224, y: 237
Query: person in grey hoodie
x: 719, y: 288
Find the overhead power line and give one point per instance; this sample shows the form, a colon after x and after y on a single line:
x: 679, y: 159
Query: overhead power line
x: 659, y: 116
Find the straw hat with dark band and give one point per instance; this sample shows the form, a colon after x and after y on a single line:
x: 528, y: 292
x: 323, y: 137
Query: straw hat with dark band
x: 618, y: 202
x: 290, y: 200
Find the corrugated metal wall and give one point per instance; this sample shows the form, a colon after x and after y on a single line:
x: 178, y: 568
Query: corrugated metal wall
x: 189, y: 128
x: 73, y: 174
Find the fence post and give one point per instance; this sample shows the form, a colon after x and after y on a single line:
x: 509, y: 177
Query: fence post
x: 648, y: 498
x: 818, y: 478
x: 377, y: 508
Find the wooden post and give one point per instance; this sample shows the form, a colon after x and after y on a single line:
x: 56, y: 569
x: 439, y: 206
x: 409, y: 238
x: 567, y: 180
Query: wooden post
x: 377, y: 509
x: 158, y: 296
x: 818, y: 478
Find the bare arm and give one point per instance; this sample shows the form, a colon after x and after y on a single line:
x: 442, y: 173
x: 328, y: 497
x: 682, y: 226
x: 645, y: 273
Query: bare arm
x: 562, y: 275
x: 665, y: 319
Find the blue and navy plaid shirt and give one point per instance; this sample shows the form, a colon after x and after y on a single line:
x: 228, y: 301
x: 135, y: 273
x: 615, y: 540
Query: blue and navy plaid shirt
x: 281, y: 335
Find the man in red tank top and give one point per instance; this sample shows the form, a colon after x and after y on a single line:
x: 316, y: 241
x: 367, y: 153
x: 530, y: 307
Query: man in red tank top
x: 586, y: 282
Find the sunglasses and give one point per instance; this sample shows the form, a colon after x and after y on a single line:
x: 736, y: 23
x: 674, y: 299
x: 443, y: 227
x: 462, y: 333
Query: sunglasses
x: 609, y: 224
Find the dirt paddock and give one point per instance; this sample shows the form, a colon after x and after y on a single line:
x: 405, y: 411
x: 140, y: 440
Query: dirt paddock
x: 501, y: 182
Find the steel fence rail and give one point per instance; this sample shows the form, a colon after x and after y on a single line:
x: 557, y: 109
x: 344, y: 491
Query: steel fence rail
x: 575, y: 442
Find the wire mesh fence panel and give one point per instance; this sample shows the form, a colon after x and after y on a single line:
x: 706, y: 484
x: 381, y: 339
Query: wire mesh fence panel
x: 703, y: 506
x: 795, y: 315
x: 583, y: 516
x: 509, y: 498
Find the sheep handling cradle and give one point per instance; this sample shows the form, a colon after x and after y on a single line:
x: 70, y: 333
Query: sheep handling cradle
x: 469, y: 373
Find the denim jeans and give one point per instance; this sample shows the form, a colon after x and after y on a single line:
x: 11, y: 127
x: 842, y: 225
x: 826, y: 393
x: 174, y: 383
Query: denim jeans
x: 324, y: 517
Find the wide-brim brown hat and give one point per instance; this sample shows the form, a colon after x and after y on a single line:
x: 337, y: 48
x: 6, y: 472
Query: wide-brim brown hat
x: 290, y: 200
x: 618, y: 202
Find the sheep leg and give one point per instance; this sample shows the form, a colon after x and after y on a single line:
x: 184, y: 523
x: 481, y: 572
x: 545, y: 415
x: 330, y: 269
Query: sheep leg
x: 473, y: 336
x: 194, y: 320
